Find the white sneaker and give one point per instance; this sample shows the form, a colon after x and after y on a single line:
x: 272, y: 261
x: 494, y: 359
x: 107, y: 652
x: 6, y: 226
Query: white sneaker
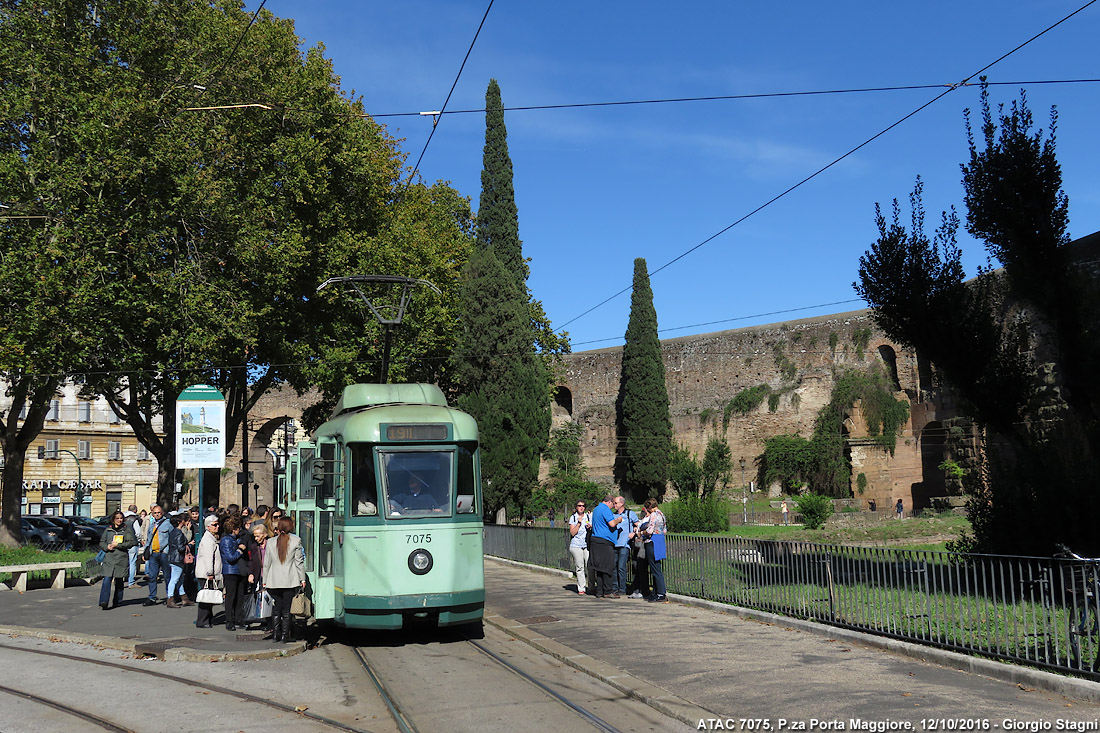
x: 636, y: 594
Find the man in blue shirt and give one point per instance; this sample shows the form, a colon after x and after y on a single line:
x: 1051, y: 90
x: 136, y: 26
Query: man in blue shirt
x: 622, y: 544
x: 605, y: 531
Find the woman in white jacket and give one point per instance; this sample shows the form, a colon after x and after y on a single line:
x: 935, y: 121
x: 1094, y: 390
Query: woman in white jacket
x: 208, y: 567
x: 284, y: 575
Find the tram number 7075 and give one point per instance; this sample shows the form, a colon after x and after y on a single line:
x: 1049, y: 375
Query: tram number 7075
x: 416, y: 539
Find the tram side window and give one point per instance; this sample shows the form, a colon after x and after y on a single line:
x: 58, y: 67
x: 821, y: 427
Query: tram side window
x: 324, y: 548
x: 308, y: 467
x: 364, y: 486
x: 466, y: 488
x: 418, y: 483
x: 305, y: 533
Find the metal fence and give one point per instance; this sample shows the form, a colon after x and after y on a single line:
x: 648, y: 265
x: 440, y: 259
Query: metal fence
x: 1039, y: 611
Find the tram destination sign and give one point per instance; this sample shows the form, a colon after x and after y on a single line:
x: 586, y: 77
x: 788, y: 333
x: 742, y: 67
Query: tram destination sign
x: 200, y: 428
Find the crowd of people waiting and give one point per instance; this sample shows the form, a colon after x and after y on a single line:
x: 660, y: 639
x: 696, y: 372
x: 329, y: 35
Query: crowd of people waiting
x: 237, y: 553
x: 603, y: 542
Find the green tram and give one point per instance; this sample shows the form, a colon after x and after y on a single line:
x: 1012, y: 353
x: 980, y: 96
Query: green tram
x: 387, y: 502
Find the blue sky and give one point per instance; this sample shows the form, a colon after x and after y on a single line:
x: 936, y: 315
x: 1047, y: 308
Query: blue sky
x: 597, y: 187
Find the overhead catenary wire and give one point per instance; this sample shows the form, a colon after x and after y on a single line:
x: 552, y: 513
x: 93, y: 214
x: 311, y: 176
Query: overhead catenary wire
x: 835, y: 161
x: 458, y: 76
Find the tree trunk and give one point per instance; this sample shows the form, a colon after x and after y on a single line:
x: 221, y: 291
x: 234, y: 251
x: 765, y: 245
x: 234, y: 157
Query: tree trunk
x: 11, y: 534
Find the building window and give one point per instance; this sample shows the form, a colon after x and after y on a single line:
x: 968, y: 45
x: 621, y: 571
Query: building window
x: 85, y: 411
x: 115, y: 419
x: 55, y: 411
x: 34, y: 509
x: 23, y: 412
x: 49, y: 451
x: 114, y: 450
x: 83, y: 449
x: 142, y: 452
x: 114, y: 501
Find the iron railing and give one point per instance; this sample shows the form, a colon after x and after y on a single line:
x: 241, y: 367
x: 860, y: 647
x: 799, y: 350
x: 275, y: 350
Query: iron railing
x: 1038, y: 611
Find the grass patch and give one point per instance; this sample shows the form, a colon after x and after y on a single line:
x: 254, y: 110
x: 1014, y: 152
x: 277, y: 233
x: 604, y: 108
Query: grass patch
x: 28, y: 555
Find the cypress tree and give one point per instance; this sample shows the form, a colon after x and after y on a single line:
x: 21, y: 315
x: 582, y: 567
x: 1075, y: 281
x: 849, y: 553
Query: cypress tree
x: 645, y: 427
x: 497, y: 215
x: 502, y: 380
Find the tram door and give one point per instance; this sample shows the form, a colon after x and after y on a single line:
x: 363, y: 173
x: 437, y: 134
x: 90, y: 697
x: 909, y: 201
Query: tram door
x: 321, y: 475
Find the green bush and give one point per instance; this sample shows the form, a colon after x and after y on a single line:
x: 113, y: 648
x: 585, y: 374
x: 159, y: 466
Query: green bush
x: 692, y: 514
x: 815, y: 509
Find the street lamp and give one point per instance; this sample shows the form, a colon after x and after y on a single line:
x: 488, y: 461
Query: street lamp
x: 744, y: 495
x: 78, y: 494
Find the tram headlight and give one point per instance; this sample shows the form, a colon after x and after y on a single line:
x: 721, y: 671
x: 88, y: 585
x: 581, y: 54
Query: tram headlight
x: 420, y: 561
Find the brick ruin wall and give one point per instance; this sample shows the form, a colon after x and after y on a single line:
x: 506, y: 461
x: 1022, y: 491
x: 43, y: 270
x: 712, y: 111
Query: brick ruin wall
x: 796, y: 359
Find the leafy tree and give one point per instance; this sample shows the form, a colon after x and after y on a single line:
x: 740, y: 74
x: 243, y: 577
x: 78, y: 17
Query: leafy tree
x: 645, y: 427
x: 209, y: 231
x: 684, y: 472
x: 717, y: 466
x: 564, y: 451
x: 691, y: 513
x: 815, y: 509
x: 502, y: 380
x: 1019, y: 344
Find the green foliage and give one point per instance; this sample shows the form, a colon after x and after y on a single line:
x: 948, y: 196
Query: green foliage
x: 684, y: 472
x: 705, y: 415
x: 504, y: 384
x: 209, y: 230
x: 568, y: 490
x: 861, y: 337
x: 564, y: 451
x: 645, y: 426
x: 815, y: 509
x: 773, y: 401
x: 861, y: 482
x: 691, y: 513
x: 744, y: 402
x: 952, y: 470
x: 717, y: 466
x: 792, y: 461
x: 786, y: 367
x: 834, y: 339
x: 1003, y: 361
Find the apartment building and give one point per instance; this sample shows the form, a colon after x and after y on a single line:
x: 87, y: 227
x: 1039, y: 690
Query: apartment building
x: 85, y: 440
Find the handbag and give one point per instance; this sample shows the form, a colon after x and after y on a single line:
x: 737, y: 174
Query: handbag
x: 300, y: 605
x: 188, y: 557
x: 210, y: 593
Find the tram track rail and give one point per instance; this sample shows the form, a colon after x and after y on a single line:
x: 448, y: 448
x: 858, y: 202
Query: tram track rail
x: 66, y: 709
x: 404, y: 720
x: 282, y: 707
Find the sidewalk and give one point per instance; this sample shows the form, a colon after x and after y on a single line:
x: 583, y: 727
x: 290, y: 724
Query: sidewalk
x: 73, y: 614
x: 770, y: 667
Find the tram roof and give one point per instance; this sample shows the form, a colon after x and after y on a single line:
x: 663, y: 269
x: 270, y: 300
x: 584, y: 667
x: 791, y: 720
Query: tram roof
x: 357, y: 396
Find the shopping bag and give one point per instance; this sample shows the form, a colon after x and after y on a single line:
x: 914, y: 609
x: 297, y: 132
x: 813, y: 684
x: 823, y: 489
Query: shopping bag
x: 258, y: 606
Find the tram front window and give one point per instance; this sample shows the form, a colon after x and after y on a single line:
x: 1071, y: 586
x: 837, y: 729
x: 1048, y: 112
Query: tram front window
x: 418, y: 483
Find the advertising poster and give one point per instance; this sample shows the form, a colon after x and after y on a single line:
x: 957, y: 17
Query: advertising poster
x: 200, y: 428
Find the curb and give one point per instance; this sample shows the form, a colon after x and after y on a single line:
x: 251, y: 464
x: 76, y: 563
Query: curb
x: 170, y: 654
x: 655, y: 697
x: 1004, y: 671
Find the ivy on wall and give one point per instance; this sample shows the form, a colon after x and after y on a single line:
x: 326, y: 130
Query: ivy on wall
x: 820, y: 462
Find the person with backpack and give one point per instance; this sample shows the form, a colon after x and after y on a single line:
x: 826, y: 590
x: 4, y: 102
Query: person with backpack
x: 580, y: 523
x: 133, y: 522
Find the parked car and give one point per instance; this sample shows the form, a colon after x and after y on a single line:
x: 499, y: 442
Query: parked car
x: 75, y: 535
x: 96, y: 529
x: 40, y: 533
